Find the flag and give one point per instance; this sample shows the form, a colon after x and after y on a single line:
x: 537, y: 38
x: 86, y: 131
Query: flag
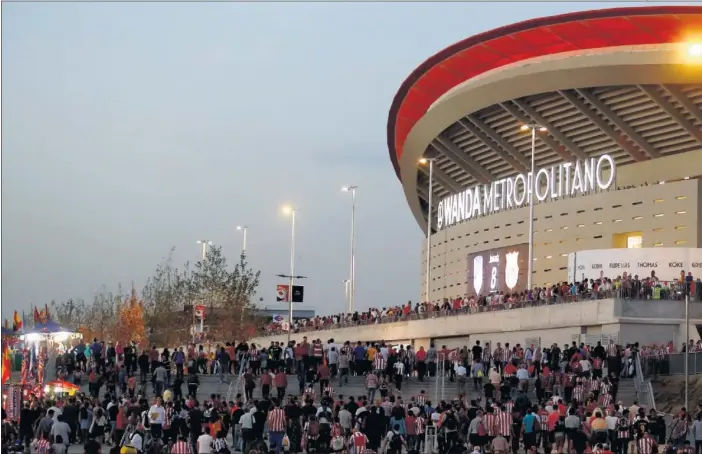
x: 37, y: 315
x: 5, y: 323
x: 6, y: 365
x: 16, y: 322
x: 47, y: 315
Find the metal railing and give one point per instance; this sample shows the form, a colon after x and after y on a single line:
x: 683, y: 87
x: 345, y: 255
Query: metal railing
x: 644, y: 390
x: 668, y: 293
x: 672, y: 364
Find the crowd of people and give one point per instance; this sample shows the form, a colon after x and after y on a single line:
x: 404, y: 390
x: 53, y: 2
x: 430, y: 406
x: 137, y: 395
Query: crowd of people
x: 625, y: 286
x: 573, y: 406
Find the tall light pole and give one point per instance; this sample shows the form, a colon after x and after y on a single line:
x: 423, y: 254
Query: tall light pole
x: 346, y: 290
x: 204, y: 244
x: 352, y: 273
x: 429, y: 161
x: 687, y: 346
x: 533, y: 127
x: 288, y: 210
x: 244, y: 229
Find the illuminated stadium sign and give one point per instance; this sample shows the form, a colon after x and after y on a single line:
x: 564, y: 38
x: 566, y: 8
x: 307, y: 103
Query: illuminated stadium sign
x: 552, y: 183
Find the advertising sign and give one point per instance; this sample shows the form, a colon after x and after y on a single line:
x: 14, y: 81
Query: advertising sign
x: 283, y: 294
x: 498, y: 270
x: 665, y: 263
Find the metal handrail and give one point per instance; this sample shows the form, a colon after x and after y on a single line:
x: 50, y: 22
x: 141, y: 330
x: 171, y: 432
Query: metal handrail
x: 643, y: 387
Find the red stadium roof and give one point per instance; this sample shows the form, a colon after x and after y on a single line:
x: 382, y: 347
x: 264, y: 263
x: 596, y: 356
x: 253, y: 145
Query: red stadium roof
x: 529, y: 39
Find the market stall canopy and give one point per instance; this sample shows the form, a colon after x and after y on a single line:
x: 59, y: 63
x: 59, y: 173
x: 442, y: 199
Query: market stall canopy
x: 61, y: 386
x: 49, y: 328
x: 9, y: 332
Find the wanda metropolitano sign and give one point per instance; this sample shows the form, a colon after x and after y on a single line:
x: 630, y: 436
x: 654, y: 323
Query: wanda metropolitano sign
x: 552, y: 183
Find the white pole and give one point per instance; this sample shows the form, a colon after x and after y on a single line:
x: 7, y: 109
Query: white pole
x: 428, y: 273
x: 531, y: 193
x: 352, y: 289
x: 346, y: 292
x: 687, y: 346
x: 292, y: 273
x: 244, y: 247
x: 204, y: 249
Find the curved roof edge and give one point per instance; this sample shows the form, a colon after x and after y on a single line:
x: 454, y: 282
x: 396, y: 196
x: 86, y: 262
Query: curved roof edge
x: 506, y: 30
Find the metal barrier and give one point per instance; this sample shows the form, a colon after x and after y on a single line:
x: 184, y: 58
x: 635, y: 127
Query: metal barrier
x: 673, y: 364
x: 644, y: 390
x: 440, y: 378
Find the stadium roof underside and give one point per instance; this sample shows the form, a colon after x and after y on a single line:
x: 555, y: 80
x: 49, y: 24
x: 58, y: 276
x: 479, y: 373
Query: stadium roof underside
x: 601, y: 82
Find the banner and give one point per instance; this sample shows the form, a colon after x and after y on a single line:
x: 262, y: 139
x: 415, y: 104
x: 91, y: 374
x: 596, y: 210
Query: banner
x: 200, y: 311
x: 282, y: 295
x: 666, y: 264
x: 298, y: 293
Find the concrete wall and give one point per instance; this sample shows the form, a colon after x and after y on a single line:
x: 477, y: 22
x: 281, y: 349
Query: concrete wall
x: 569, y: 225
x: 642, y: 321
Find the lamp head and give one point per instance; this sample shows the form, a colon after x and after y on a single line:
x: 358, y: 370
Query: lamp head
x: 423, y: 161
x: 238, y: 227
x: 287, y: 210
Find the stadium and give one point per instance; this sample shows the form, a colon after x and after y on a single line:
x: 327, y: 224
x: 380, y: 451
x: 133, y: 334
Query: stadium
x: 610, y: 103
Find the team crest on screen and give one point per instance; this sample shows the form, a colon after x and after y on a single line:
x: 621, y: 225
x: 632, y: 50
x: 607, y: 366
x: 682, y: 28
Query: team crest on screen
x: 478, y: 274
x: 512, y: 269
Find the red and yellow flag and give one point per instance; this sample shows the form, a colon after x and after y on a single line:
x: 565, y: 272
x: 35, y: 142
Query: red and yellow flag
x: 6, y: 365
x: 16, y: 322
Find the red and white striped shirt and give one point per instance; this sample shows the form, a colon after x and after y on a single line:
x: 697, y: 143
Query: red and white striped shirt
x: 509, y: 406
x: 420, y: 426
x: 309, y: 394
x: 489, y: 421
x: 379, y: 362
x: 645, y: 445
x: 253, y: 354
x: 503, y: 424
x: 329, y: 390
x: 359, y: 441
x: 276, y: 420
x: 42, y: 447
x: 181, y: 447
x: 421, y: 399
x: 612, y: 350
x: 606, y: 399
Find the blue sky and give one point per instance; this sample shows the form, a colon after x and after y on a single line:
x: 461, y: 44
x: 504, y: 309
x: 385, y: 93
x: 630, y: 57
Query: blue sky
x: 129, y: 128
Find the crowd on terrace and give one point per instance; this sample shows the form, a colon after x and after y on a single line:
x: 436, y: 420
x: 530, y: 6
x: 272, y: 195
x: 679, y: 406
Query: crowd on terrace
x: 624, y: 286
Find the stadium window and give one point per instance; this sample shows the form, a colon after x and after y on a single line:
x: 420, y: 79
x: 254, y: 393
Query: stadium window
x: 597, y: 237
x: 680, y: 227
x: 598, y: 209
x: 616, y: 206
x: 486, y: 230
x: 581, y: 225
x: 657, y: 244
x: 486, y: 242
x: 549, y: 217
x: 565, y: 227
x: 508, y: 237
x: 519, y: 234
x: 636, y: 218
x: 636, y: 203
x: 562, y: 241
x: 547, y: 243
x: 598, y: 222
x: 565, y: 254
x: 564, y: 214
x: 547, y: 270
x: 681, y: 212
x: 681, y: 197
x: 679, y: 242
x: 520, y: 222
x: 496, y: 227
x: 562, y: 268
x: 659, y: 229
x: 549, y: 230
x: 580, y: 211
x: 658, y: 215
x: 617, y: 220
x: 508, y: 225
x: 548, y: 257
x: 658, y: 200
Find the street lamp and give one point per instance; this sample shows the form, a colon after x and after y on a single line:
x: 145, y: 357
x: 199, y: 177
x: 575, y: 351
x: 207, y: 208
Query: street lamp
x: 290, y: 211
x: 533, y: 127
x: 204, y: 244
x: 244, y: 229
x: 352, y: 273
x: 695, y: 50
x: 430, y: 161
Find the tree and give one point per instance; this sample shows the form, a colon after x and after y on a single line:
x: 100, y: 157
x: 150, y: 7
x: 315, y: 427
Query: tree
x: 130, y: 324
x: 168, y: 297
x: 229, y: 295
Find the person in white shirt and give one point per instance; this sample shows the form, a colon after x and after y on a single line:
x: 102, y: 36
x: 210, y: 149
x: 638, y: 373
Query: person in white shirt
x: 137, y: 441
x: 399, y: 371
x: 612, y: 421
x: 204, y: 442
x: 586, y: 366
x: 157, y: 416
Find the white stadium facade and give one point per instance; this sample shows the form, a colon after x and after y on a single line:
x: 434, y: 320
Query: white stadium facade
x: 614, y: 100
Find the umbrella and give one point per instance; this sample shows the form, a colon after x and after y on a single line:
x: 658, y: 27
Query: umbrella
x: 61, y: 386
x: 49, y: 328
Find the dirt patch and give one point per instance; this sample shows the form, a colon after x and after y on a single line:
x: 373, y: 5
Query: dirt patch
x: 670, y: 392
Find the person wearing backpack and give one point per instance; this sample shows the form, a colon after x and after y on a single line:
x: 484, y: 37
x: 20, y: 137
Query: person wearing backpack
x: 477, y: 431
x: 450, y: 428
x: 395, y: 440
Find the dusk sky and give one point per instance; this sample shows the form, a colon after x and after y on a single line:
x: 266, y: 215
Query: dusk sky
x: 131, y: 128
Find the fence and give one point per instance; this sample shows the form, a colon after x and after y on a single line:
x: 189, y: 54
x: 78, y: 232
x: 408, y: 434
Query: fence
x: 672, y: 364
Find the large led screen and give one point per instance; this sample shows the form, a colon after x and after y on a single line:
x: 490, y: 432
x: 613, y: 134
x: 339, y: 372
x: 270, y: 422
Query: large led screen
x: 498, y: 270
